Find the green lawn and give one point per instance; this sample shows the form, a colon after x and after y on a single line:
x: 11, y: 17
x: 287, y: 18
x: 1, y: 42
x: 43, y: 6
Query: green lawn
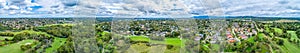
x: 292, y: 48
x: 251, y: 39
x: 170, y: 41
x: 3, y: 37
x: 278, y: 30
x: 176, y: 42
x: 267, y: 29
x: 261, y: 35
x: 56, y: 44
x: 15, y: 47
x: 215, y: 47
x: 293, y: 35
x: 173, y: 41
x: 139, y: 38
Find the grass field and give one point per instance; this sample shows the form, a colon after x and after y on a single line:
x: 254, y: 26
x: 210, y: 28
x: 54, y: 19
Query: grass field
x: 56, y: 44
x: 278, y: 30
x: 261, y: 35
x: 292, y: 48
x: 215, y: 47
x: 15, y: 47
x: 293, y: 35
x: 139, y: 38
x: 141, y: 47
x: 176, y: 42
x: 170, y: 41
x: 173, y: 41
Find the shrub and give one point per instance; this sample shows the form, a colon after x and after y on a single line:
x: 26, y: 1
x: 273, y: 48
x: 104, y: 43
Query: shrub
x: 7, y: 34
x: 31, y: 35
x: 25, y: 47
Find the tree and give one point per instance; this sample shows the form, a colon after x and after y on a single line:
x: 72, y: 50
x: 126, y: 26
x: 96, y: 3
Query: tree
x: 173, y: 34
x: 7, y: 34
x: 19, y: 37
x: 106, y: 37
x: 25, y: 47
x: 67, y: 47
x: 280, y: 42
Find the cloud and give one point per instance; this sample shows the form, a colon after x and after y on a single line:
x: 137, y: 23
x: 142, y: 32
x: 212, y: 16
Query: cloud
x: 69, y: 2
x: 262, y: 7
x: 16, y: 6
x: 152, y: 7
x: 35, y: 7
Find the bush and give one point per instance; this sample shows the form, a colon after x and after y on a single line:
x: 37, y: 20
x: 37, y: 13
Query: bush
x: 67, y: 47
x: 2, y: 43
x: 7, y: 34
x: 170, y: 46
x: 25, y: 47
x: 31, y: 35
x: 174, y: 34
x: 280, y: 42
x: 6, y: 39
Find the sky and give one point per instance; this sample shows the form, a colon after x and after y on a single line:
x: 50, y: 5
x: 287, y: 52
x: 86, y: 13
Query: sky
x: 150, y: 7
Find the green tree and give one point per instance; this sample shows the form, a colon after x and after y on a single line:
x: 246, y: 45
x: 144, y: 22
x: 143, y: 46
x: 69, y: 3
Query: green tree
x: 25, y: 47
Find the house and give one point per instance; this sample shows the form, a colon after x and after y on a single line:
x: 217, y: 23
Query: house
x: 229, y: 36
x: 243, y: 37
x: 231, y: 40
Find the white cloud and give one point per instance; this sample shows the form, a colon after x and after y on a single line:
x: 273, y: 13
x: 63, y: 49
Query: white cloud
x: 154, y: 7
x: 2, y: 3
x: 127, y: 7
x: 261, y: 7
x: 13, y: 7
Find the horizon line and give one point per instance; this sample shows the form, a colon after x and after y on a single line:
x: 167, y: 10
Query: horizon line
x: 164, y: 16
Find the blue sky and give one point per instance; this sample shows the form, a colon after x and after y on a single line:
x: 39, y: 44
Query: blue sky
x: 150, y: 7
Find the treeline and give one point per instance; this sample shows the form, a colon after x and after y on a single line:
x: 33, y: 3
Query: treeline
x: 103, y: 42
x: 287, y: 25
x: 27, y: 34
x: 62, y: 31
